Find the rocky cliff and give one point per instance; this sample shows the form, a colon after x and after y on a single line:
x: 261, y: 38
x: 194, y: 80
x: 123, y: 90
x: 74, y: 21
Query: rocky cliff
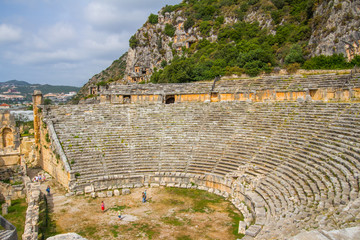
x: 320, y: 27
x: 336, y: 28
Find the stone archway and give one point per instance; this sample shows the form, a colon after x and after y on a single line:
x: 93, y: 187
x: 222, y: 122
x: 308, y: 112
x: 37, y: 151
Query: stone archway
x: 7, y: 137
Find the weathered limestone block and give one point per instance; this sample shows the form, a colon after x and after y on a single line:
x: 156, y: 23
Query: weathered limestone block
x: 242, y: 227
x: 89, y: 189
x: 79, y: 193
x: 125, y: 191
x: 8, y: 200
x: 67, y: 236
x: 93, y: 195
x: 4, y: 208
x: 253, y: 230
x: 109, y: 193
x: 154, y: 185
x: 116, y: 192
x: 101, y: 194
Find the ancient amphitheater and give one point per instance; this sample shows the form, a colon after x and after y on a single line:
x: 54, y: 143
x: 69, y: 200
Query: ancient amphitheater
x: 284, y: 150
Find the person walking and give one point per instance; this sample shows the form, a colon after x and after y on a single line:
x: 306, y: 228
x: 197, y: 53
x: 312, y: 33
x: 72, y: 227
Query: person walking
x: 119, y: 214
x: 102, y: 206
x: 48, y: 190
x: 143, y: 197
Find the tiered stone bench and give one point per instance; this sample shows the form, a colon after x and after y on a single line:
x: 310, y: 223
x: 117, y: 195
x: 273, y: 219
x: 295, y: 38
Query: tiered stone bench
x: 286, y: 166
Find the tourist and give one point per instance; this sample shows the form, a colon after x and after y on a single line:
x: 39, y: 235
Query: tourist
x: 143, y: 197
x: 119, y: 214
x: 48, y: 189
x: 40, y: 178
x: 102, y: 206
x: 36, y: 178
x: 44, y: 178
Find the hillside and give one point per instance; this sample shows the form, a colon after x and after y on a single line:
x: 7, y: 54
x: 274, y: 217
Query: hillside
x: 198, y: 40
x: 15, y: 87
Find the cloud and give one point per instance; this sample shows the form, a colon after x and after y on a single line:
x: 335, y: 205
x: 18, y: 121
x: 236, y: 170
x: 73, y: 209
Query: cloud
x: 9, y: 34
x: 67, y: 42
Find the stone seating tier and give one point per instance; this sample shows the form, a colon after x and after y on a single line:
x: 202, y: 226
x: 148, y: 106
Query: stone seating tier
x: 290, y: 161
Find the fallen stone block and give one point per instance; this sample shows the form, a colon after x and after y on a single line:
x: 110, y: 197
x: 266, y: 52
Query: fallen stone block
x: 116, y: 192
x: 125, y: 191
x: 242, y: 227
x: 253, y: 230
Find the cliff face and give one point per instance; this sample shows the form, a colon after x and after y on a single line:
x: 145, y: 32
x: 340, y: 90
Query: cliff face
x: 114, y: 73
x: 320, y: 27
x: 155, y: 48
x: 336, y: 28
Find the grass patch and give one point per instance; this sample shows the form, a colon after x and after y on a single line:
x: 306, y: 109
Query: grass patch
x: 147, y: 229
x: 183, y: 237
x: 200, y: 199
x: 117, y: 208
x: 172, y: 220
x: 89, y: 231
x: 236, y: 217
x: 114, y: 231
x: 16, y: 215
x: 47, y: 226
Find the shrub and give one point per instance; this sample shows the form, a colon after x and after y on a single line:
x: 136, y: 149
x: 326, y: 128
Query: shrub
x: 188, y: 24
x: 295, y: 55
x: 205, y: 28
x: 292, y: 68
x: 133, y: 42
x: 170, y: 30
x: 153, y: 19
x: 336, y: 61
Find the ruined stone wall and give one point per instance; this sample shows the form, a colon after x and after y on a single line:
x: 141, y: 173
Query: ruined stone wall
x: 9, y: 140
x: 52, y: 158
x: 33, y: 193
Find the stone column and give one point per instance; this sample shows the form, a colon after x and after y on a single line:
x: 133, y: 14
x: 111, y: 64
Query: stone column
x: 8, y: 200
x: 4, y: 207
x: 37, y: 100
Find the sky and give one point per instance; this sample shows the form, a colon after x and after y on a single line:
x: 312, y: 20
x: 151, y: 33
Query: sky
x: 66, y: 42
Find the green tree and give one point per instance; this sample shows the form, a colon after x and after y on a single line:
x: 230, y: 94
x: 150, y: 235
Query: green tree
x: 170, y: 30
x: 153, y: 19
x: 133, y: 42
x: 295, y: 55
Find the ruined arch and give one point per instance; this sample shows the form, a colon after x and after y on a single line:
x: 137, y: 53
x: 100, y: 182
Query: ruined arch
x: 7, y: 137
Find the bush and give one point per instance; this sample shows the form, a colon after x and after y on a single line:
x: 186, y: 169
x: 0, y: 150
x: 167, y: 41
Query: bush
x: 170, y: 30
x: 153, y: 19
x: 205, y: 28
x: 133, y: 42
x: 295, y: 55
x: 336, y: 61
x: 292, y: 68
x: 188, y: 24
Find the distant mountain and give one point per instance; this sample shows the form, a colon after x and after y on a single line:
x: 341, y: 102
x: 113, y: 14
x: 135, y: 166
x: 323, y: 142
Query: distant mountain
x: 15, y: 87
x: 15, y: 83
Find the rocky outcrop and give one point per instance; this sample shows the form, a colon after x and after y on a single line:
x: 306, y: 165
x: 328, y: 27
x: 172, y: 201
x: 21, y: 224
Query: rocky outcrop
x: 336, y: 28
x: 114, y: 72
x: 67, y: 236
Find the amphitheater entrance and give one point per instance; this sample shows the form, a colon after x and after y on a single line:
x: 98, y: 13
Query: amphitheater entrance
x: 312, y: 92
x: 126, y: 99
x: 169, y: 99
x: 214, y: 97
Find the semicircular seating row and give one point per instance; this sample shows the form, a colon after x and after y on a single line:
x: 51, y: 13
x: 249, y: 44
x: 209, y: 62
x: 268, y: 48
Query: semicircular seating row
x: 304, y: 158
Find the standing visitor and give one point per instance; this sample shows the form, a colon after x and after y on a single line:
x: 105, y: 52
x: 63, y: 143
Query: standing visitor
x: 48, y: 190
x: 143, y: 197
x: 119, y: 214
x: 102, y: 206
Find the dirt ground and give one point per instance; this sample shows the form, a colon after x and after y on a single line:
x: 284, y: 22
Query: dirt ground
x: 167, y: 215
